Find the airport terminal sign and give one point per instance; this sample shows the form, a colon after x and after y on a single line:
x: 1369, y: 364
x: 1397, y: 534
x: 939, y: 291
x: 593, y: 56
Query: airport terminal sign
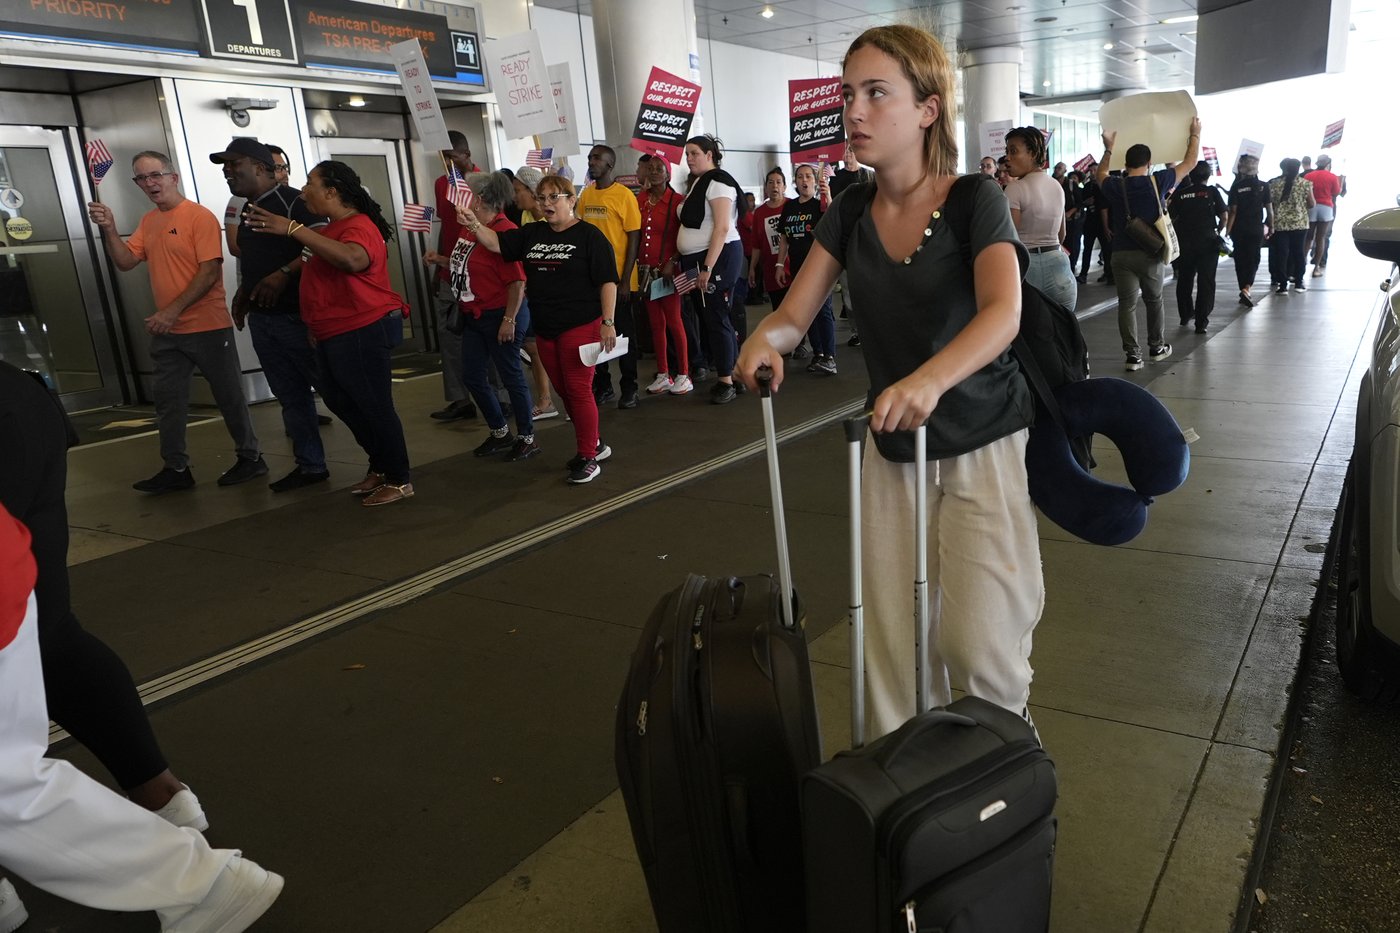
x: 149, y: 24
x: 345, y: 34
x: 252, y: 30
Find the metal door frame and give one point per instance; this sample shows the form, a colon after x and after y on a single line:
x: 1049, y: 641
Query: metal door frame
x: 62, y: 144
x: 396, y: 153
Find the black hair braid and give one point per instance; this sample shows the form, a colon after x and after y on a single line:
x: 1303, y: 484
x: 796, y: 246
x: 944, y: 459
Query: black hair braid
x: 346, y: 183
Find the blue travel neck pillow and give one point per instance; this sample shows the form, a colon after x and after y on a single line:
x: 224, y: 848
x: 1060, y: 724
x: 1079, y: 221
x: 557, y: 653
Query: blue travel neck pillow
x: 1155, y: 457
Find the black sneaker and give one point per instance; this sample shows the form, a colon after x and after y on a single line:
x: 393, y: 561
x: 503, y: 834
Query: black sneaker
x: 723, y: 394
x: 523, y: 450
x: 628, y: 400
x: 1299, y: 287
x: 826, y: 365
x: 494, y: 444
x: 297, y: 480
x: 854, y: 341
x: 1246, y: 300
x: 1157, y: 354
x: 1133, y: 363
x: 586, y: 472
x: 816, y: 364
x: 603, y: 453
x: 800, y: 352
x: 242, y: 471
x: 604, y: 396
x: 699, y: 373
x: 167, y: 480
x: 459, y: 410
x: 1200, y: 328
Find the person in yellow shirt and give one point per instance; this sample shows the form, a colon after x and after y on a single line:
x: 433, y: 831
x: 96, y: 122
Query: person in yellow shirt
x: 612, y: 208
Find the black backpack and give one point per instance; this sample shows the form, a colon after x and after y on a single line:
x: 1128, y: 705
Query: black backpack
x: 1050, y: 346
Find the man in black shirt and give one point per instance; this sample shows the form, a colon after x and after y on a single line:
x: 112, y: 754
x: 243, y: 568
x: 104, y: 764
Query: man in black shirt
x: 1198, y: 214
x: 851, y: 172
x: 1251, y: 217
x: 267, y: 299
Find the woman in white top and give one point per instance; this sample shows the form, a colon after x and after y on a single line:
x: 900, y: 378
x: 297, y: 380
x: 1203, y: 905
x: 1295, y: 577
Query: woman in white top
x: 1038, y: 211
x: 711, y: 250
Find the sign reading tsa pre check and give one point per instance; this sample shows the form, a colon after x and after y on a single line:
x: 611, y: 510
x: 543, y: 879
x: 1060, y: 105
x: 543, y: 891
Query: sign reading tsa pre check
x: 521, y: 82
x: 418, y: 91
x: 665, y: 116
x: 816, y: 131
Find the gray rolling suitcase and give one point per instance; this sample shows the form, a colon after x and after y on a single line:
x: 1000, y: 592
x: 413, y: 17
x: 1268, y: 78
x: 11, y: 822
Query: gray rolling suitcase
x: 946, y: 824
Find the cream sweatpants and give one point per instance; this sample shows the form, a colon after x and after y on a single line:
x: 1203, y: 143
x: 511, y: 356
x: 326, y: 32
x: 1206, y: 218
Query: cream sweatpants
x: 62, y: 831
x: 985, y: 584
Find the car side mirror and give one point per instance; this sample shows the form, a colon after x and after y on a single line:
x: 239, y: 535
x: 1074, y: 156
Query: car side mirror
x: 1378, y: 234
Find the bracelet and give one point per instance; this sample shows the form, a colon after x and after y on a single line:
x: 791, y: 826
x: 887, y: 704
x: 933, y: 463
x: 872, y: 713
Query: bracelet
x: 293, y: 227
x: 607, y: 322
x: 510, y: 321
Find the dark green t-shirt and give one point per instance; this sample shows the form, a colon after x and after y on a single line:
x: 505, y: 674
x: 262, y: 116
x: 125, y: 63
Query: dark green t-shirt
x: 907, y: 312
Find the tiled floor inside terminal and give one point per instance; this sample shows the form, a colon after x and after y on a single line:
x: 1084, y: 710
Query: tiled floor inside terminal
x: 445, y: 763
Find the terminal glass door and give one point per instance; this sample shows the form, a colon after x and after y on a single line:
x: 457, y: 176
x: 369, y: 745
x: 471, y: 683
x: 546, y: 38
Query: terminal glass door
x: 51, y: 317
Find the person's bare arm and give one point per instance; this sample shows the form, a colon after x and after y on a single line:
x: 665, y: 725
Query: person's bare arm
x: 1193, y: 151
x: 122, y: 256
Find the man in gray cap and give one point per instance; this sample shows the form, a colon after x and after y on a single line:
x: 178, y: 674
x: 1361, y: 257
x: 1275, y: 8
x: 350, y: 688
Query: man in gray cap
x: 267, y: 300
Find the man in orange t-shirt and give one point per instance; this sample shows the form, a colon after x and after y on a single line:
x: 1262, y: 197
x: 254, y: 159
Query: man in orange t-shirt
x: 181, y: 243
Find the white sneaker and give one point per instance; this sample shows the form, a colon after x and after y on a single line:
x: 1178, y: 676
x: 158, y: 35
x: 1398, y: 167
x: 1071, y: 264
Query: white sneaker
x: 241, y: 894
x: 681, y: 385
x: 184, y: 810
x: 662, y: 383
x: 12, y: 912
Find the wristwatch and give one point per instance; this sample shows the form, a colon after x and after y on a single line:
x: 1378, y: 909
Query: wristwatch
x: 704, y: 268
x: 285, y: 270
x: 607, y: 322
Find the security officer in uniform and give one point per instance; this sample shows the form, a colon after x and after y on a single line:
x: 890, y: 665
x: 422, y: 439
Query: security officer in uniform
x: 1250, y: 220
x: 1198, y: 213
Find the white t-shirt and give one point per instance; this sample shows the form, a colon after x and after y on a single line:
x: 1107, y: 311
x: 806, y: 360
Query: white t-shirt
x: 697, y: 240
x: 1041, y: 201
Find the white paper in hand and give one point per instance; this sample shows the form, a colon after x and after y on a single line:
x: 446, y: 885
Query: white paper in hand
x: 592, y: 353
x: 1159, y: 120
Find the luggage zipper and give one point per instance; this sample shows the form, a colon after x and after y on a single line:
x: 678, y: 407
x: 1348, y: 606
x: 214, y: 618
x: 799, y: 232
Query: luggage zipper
x: 895, y: 833
x: 909, y: 917
x: 642, y: 719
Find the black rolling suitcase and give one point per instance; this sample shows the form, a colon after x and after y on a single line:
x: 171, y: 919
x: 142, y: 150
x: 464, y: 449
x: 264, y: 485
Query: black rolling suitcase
x: 946, y: 824
x: 716, y: 724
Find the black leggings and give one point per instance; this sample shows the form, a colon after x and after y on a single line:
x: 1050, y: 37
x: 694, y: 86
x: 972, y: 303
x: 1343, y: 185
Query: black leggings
x: 89, y: 690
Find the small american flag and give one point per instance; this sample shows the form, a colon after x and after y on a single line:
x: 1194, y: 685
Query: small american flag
x: 542, y: 159
x: 417, y: 217
x: 457, y: 191
x: 99, y: 160
x: 828, y: 170
x: 685, y: 282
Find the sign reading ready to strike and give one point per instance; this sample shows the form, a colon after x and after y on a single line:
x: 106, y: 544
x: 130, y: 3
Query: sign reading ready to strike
x: 664, y: 119
x: 817, y: 132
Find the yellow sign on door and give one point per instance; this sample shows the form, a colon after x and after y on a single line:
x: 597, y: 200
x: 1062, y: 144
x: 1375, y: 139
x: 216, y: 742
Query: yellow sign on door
x: 18, y: 228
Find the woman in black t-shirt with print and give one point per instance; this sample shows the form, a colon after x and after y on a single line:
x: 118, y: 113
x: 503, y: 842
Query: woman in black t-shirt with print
x: 571, y: 278
x: 798, y: 224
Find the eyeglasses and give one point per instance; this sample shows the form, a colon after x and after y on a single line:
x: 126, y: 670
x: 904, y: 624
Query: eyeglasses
x: 276, y: 167
x: 153, y: 176
x: 555, y: 196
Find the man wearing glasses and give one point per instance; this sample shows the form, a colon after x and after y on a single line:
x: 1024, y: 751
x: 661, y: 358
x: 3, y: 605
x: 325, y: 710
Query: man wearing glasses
x: 268, y: 300
x: 180, y: 244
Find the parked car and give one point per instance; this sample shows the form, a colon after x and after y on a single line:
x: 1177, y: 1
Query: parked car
x: 1368, y: 548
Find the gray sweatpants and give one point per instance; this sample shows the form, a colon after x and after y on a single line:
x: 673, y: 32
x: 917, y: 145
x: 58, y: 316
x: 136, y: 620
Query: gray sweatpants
x: 1133, y: 271
x: 176, y: 357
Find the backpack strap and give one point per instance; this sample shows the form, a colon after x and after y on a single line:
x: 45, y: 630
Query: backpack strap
x: 957, y: 214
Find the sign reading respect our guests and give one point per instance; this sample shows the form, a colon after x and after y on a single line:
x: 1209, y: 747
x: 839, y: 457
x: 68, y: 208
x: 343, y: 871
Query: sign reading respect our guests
x: 817, y: 133
x: 665, y: 116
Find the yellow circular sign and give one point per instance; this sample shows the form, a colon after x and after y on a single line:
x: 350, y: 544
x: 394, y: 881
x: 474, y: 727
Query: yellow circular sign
x: 18, y: 228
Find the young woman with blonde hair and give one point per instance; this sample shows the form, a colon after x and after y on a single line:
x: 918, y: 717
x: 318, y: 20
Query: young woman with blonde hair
x: 935, y: 331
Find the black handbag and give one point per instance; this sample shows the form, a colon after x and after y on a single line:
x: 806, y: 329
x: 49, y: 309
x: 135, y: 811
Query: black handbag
x: 1144, y: 234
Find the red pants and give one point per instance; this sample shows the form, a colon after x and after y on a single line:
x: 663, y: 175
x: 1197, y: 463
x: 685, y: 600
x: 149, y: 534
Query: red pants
x: 574, y: 381
x: 665, y: 315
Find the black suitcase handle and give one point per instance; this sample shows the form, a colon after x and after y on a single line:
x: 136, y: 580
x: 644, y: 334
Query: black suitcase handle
x: 919, y: 725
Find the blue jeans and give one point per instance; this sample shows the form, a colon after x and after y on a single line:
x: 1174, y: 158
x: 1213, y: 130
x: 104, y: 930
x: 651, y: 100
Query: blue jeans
x: 1052, y: 273
x: 357, y: 384
x: 481, y: 346
x: 289, y: 364
x: 822, y: 333
x: 712, y: 308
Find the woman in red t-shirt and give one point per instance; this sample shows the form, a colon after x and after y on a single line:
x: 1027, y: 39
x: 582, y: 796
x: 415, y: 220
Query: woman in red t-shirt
x: 656, y: 261
x: 490, y: 295
x: 356, y: 318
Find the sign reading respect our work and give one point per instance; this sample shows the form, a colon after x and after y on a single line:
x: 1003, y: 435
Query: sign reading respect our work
x: 817, y: 133
x: 665, y: 116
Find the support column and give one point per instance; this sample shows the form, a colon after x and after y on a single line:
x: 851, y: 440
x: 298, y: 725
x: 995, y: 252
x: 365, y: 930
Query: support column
x: 991, y: 92
x: 627, y: 49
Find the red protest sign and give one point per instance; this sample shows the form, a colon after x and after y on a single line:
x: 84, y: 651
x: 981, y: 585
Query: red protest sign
x: 1084, y: 164
x: 816, y: 131
x: 664, y: 118
x: 1332, y: 136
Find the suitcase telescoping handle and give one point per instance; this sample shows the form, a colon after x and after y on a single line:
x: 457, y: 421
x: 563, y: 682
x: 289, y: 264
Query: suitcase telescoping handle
x: 764, y: 377
x: 855, y: 434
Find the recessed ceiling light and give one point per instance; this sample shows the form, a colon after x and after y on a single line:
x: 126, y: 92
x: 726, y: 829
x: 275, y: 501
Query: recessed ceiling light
x: 1046, y: 19
x: 1108, y: 46
x: 356, y: 101
x: 1173, y: 20
x: 1045, y: 84
x: 767, y: 12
